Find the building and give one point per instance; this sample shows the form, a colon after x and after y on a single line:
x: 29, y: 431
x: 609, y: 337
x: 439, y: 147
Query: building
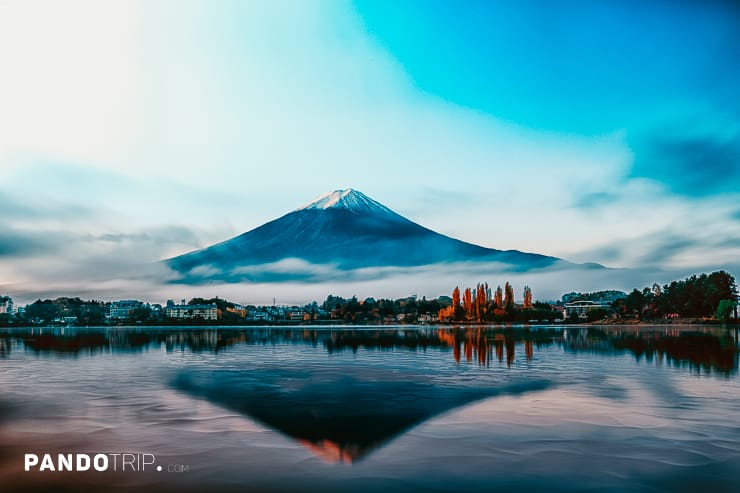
x: 184, y: 312
x: 6, y: 305
x: 296, y: 315
x: 258, y: 315
x: 121, y: 310
x: 582, y: 307
x: 238, y: 310
x: 156, y: 309
x: 560, y: 310
x: 277, y: 312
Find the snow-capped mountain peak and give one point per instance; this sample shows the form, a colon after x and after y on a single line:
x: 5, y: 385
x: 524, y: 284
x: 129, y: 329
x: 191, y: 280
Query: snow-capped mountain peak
x: 345, y: 229
x: 349, y: 199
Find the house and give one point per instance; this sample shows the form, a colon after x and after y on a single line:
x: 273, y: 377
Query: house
x: 123, y: 309
x: 257, y: 315
x: 6, y: 305
x: 276, y: 312
x: 185, y: 312
x: 582, y: 307
x: 238, y: 310
x: 560, y: 309
x: 156, y: 309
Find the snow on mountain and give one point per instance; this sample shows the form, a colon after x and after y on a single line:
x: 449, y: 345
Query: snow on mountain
x: 349, y: 199
x: 338, y: 232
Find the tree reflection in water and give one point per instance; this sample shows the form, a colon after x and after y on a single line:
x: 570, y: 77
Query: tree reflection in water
x: 479, y: 343
x: 342, y: 412
x: 708, y: 348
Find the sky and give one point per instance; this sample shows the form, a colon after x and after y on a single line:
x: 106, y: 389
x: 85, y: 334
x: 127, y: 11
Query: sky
x: 133, y: 131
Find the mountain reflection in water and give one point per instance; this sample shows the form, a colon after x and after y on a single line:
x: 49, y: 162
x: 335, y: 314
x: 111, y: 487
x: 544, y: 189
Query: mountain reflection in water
x: 342, y: 415
x: 467, y: 408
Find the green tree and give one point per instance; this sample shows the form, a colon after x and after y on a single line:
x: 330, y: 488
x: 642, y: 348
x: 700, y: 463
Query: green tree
x: 634, y: 303
x: 724, y: 310
x: 595, y: 314
x: 45, y: 310
x: 141, y: 314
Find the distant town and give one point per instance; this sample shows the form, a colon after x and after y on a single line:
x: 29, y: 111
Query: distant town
x: 705, y: 297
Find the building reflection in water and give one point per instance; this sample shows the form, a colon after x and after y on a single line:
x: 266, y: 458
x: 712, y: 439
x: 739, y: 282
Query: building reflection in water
x: 345, y: 415
x: 705, y: 347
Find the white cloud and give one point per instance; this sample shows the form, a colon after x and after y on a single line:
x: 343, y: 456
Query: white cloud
x: 221, y: 116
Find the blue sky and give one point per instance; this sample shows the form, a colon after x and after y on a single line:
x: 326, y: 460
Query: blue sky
x: 584, y: 67
x: 134, y: 131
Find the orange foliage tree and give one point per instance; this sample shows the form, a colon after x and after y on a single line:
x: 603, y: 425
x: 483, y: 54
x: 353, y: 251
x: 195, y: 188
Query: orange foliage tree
x: 451, y: 312
x: 479, y: 305
x: 468, y: 303
x: 498, y: 298
x: 527, y: 297
x: 508, y: 297
x: 482, y: 300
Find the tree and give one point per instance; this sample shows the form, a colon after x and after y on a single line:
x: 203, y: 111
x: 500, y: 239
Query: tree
x: 697, y: 296
x: 45, y: 310
x: 720, y: 286
x: 468, y: 303
x: 724, y: 310
x: 481, y: 302
x: 140, y: 314
x: 595, y: 314
x: 527, y: 298
x: 634, y: 303
x: 457, y: 311
x: 508, y: 297
x: 498, y: 298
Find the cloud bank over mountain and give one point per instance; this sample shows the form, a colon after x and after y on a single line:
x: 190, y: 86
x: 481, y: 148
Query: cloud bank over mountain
x: 136, y: 131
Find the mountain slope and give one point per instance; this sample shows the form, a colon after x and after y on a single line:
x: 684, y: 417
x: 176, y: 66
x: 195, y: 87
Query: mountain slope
x: 344, y: 228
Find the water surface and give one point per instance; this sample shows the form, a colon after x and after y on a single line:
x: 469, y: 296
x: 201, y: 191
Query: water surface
x: 376, y: 409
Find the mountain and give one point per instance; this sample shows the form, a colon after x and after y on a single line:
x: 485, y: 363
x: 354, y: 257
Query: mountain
x: 344, y: 229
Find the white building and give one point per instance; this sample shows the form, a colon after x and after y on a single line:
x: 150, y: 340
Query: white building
x: 259, y: 315
x: 582, y: 307
x: 296, y: 315
x: 6, y: 305
x: 121, y: 310
x: 183, y: 311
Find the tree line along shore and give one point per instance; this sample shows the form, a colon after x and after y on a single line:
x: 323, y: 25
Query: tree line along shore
x: 703, y: 298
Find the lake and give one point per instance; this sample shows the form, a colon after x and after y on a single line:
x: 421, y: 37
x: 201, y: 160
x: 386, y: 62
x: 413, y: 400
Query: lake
x: 368, y: 409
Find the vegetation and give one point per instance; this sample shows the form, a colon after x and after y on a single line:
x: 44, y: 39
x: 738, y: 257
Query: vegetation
x: 85, y: 312
x: 370, y: 310
x: 609, y: 296
x: 725, y: 310
x: 695, y: 296
x: 700, y: 296
x: 595, y: 314
x: 480, y: 305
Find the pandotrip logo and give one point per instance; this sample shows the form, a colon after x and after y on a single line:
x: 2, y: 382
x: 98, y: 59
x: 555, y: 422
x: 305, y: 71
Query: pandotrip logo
x: 97, y: 462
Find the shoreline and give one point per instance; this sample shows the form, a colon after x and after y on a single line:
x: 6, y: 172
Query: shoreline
x: 678, y: 322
